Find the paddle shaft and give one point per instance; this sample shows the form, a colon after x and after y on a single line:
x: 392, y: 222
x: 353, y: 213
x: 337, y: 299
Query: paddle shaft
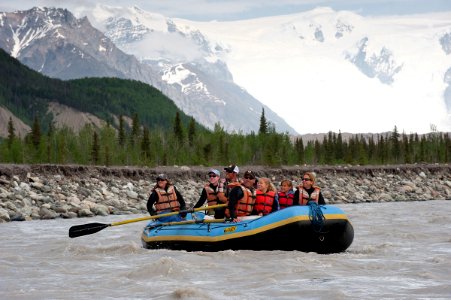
x: 191, y: 222
x: 90, y: 228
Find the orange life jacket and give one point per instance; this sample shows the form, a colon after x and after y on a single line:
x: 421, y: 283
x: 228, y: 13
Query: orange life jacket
x: 212, y: 198
x: 264, y: 202
x: 286, y: 199
x: 167, y: 200
x: 245, y: 205
x: 304, y: 197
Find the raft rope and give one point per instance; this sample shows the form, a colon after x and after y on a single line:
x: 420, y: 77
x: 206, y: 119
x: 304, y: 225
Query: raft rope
x: 316, y: 216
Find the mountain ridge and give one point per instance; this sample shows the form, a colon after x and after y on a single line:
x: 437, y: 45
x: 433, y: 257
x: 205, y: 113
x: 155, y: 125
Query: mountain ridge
x: 57, y: 44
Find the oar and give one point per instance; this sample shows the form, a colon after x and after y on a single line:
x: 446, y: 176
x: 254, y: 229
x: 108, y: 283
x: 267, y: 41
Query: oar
x: 90, y: 228
x: 191, y: 222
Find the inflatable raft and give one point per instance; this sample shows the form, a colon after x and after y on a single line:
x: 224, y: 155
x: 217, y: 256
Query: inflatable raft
x: 322, y: 229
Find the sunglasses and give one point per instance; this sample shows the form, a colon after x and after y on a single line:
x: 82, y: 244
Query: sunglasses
x: 306, y: 179
x: 212, y: 176
x: 160, y: 179
x: 248, y: 177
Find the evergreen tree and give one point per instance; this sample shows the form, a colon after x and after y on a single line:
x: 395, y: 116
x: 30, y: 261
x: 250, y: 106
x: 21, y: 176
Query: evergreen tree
x: 121, y: 134
x: 339, y: 151
x: 395, y: 145
x: 178, y: 130
x: 51, y: 129
x: 36, y: 133
x: 11, y: 132
x: 95, y: 151
x: 135, y: 128
x: 263, y: 123
x: 300, y: 155
x: 145, y: 144
x: 107, y: 156
x: 191, y: 131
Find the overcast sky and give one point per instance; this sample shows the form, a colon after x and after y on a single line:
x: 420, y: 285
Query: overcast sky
x: 222, y: 10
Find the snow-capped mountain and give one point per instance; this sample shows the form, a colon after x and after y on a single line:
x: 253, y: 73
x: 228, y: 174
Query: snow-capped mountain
x: 54, y: 42
x: 320, y: 70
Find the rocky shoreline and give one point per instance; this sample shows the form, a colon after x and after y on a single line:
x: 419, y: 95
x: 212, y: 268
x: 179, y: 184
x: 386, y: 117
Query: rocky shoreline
x: 29, y: 192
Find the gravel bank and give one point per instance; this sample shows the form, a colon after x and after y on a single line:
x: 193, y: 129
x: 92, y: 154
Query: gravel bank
x: 30, y: 192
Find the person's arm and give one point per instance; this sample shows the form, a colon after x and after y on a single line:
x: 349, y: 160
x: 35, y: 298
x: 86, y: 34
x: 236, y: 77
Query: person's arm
x: 296, y: 198
x: 180, y: 199
x: 221, y: 191
x: 275, y: 203
x: 235, y: 195
x: 202, y: 199
x: 150, y: 202
x: 321, y: 200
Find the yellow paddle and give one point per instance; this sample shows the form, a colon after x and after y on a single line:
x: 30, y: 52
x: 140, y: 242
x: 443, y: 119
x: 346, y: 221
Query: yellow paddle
x: 90, y: 228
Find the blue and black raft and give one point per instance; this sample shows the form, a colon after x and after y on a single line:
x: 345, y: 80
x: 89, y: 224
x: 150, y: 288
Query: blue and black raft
x: 312, y: 228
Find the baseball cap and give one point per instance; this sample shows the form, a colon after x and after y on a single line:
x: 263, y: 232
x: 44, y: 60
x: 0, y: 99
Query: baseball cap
x: 214, y: 171
x: 162, y: 176
x: 250, y: 174
x: 232, y: 168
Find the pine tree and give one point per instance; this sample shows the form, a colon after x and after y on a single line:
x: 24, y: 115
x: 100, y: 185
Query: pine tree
x: 263, y: 123
x: 36, y: 133
x: 299, y: 145
x: 11, y: 132
x: 95, y: 148
x: 191, y: 131
x: 135, y: 129
x: 145, y: 144
x: 107, y: 156
x: 178, y: 130
x: 121, y: 134
x: 395, y: 145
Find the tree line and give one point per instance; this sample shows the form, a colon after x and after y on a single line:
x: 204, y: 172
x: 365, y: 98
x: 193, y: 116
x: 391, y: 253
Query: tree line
x: 137, y: 145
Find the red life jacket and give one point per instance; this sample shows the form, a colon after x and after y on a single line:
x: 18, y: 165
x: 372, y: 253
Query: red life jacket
x: 264, y: 202
x: 304, y: 197
x: 167, y: 200
x: 286, y: 199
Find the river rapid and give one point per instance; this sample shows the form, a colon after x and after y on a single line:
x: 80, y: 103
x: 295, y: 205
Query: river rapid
x: 401, y: 250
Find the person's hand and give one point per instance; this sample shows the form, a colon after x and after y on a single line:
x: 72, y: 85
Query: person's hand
x: 221, y: 185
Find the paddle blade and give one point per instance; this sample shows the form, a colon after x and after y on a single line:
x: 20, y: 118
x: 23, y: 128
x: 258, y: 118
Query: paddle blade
x: 85, y: 229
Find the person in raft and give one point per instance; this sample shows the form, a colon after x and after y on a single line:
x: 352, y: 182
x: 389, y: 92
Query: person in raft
x: 286, y: 193
x: 165, y: 198
x: 210, y: 194
x: 250, y: 181
x: 266, y: 198
x: 240, y: 199
x: 308, y: 191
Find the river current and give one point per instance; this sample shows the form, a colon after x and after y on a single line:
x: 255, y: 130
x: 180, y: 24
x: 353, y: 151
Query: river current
x: 401, y: 250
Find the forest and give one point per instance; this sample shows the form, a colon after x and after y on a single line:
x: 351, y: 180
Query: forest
x: 139, y: 145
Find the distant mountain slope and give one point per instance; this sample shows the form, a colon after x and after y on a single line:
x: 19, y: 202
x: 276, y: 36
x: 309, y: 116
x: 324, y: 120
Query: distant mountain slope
x: 352, y: 73
x: 26, y: 93
x: 53, y: 42
x: 358, y: 74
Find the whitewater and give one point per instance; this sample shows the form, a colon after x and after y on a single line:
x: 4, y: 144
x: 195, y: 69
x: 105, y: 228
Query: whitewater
x: 401, y: 250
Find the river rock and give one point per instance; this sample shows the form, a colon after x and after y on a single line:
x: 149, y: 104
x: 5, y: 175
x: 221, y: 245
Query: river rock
x: 54, y: 191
